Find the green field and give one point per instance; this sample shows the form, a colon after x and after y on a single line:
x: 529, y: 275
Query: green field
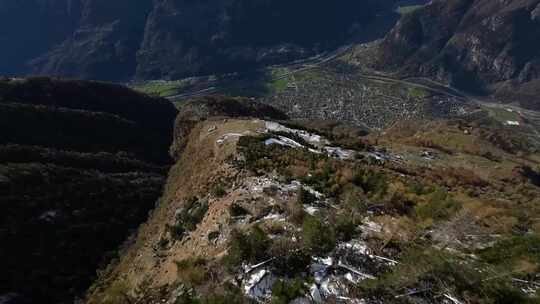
x: 160, y: 88
x: 402, y: 10
x: 503, y: 115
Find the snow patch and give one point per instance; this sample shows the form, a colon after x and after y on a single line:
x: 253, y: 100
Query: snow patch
x: 316, y: 140
x: 371, y: 226
x: 309, y: 137
x: 228, y: 136
x: 339, y: 152
x: 49, y: 216
x: 311, y: 210
x: 333, y: 275
x: 287, y: 142
x: 259, y: 284
x: 274, y: 217
x: 259, y: 184
x: 512, y: 123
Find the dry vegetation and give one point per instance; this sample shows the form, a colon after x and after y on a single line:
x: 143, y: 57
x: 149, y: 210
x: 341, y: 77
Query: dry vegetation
x: 460, y: 221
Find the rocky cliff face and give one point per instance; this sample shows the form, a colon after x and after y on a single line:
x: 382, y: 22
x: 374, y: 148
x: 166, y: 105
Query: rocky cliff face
x: 473, y: 44
x: 81, y: 164
x: 97, y: 39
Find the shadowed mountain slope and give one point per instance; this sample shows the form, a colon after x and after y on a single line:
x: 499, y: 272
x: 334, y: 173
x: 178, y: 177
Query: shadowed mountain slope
x: 81, y: 164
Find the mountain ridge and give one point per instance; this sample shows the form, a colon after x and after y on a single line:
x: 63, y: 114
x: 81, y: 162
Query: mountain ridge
x: 260, y: 210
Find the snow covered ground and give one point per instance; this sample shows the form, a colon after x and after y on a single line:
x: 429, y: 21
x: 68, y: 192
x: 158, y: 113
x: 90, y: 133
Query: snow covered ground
x: 333, y: 275
x: 323, y: 145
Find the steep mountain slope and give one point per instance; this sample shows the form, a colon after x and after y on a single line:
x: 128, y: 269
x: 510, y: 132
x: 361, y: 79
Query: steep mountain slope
x: 81, y: 164
x: 118, y: 40
x: 480, y: 45
x: 186, y: 38
x: 263, y: 211
x: 104, y: 43
x: 29, y: 28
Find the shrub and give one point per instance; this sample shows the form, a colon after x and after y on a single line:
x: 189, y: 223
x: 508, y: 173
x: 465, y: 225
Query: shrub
x: 304, y: 197
x: 438, y: 272
x: 283, y: 292
x: 237, y: 210
x: 290, y: 260
x: 353, y: 198
x: 323, y: 178
x: 372, y: 182
x: 419, y: 188
x: 508, y: 252
x: 213, y: 235
x: 398, y: 203
x: 345, y: 228
x: 251, y: 247
x: 192, y: 271
x: 195, y: 212
x: 318, y: 237
x: 229, y: 295
x: 176, y: 231
x: 187, y: 298
x: 296, y: 212
x: 163, y: 243
x: 188, y: 218
x: 439, y: 207
x: 218, y: 190
x: 117, y: 293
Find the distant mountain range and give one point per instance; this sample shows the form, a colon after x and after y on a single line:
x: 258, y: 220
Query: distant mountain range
x: 480, y: 45
x: 145, y: 39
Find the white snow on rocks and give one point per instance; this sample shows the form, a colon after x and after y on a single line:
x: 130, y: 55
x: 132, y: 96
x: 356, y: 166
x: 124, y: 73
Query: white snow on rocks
x: 512, y: 123
x: 339, y: 152
x: 287, y: 142
x: 228, y: 136
x: 311, y: 210
x: 332, y: 275
x: 258, y: 284
x: 311, y: 138
x: 259, y: 184
x: 316, y: 140
x: 274, y: 217
x: 49, y: 216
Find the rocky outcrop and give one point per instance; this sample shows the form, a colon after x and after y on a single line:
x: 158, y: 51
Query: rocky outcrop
x: 81, y: 164
x: 479, y: 45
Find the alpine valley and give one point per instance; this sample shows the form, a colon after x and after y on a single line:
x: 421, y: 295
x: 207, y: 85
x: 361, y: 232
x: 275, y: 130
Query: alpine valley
x: 270, y: 151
